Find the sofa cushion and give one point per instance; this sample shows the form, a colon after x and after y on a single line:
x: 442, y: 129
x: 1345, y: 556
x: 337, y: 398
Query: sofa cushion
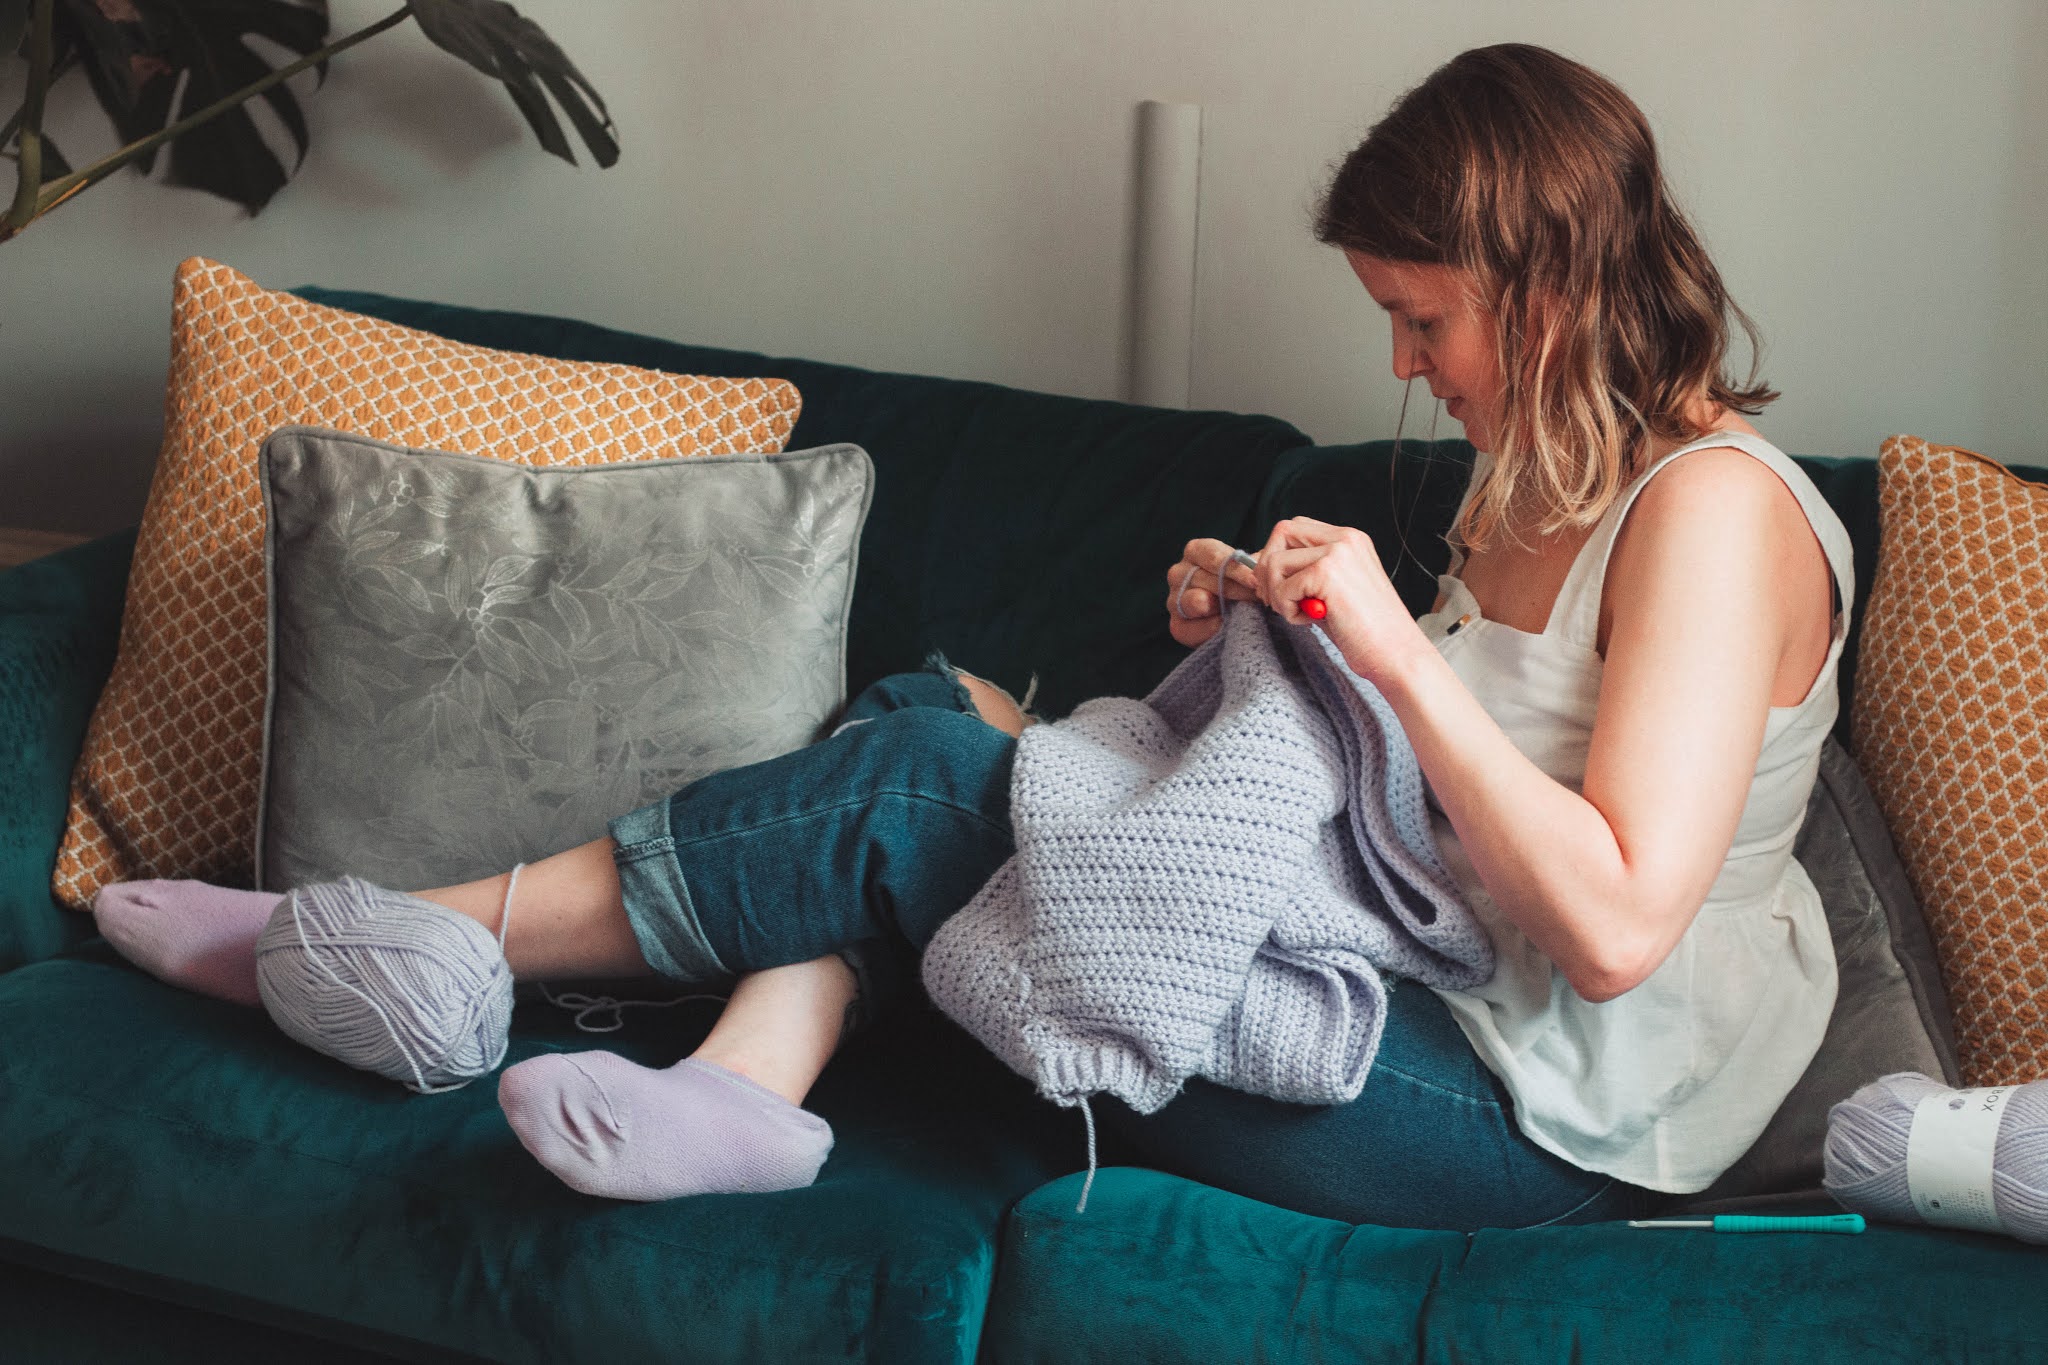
x: 1199, y: 1274
x: 166, y: 786
x: 168, y: 1134
x: 1021, y: 533
x: 476, y: 662
x: 58, y: 620
x: 87, y: 1315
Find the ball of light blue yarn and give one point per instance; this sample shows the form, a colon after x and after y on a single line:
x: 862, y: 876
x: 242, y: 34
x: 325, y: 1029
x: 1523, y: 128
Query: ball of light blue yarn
x: 1865, y: 1156
x: 386, y: 982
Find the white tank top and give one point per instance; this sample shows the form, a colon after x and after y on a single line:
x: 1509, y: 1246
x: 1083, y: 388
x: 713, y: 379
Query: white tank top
x: 1666, y: 1085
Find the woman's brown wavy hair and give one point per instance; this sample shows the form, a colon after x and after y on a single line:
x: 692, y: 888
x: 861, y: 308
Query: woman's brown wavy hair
x: 1538, y: 178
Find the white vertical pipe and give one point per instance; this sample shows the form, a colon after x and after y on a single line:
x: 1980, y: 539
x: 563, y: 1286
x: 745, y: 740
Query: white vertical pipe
x: 1163, y: 253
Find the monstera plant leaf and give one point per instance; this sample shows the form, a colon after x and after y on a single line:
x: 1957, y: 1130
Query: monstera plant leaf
x: 181, y: 72
x: 152, y: 62
x: 507, y: 46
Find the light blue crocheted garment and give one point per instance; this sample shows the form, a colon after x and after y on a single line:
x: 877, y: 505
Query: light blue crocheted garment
x: 1207, y: 883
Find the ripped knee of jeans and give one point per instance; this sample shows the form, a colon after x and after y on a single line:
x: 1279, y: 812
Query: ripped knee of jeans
x: 1005, y: 706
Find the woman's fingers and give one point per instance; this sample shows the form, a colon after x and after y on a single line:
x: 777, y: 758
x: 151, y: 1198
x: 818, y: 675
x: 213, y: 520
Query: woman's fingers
x: 1306, y: 558
x: 1283, y: 557
x: 1188, y: 606
x: 1290, y: 568
x: 1195, y: 632
x: 1195, y: 576
x: 1308, y: 531
x: 1212, y: 555
x: 1300, y: 541
x: 1192, y: 609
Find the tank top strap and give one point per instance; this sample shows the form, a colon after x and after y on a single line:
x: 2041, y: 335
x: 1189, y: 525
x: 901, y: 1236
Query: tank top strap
x: 1576, y: 615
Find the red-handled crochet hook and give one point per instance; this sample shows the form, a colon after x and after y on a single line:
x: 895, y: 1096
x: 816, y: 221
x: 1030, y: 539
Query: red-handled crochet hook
x: 1313, y: 608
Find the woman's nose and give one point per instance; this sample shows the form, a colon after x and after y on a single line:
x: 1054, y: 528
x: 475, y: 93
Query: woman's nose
x: 1410, y: 360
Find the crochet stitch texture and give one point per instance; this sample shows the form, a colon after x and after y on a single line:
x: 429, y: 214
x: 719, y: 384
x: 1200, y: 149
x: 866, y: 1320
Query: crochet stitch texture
x: 1208, y: 882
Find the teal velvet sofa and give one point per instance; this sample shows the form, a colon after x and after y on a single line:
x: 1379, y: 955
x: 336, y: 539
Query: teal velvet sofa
x: 179, y: 1182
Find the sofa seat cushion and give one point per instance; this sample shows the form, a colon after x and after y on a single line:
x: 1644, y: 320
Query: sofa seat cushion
x: 170, y: 1135
x: 1205, y: 1275
x: 77, y: 1319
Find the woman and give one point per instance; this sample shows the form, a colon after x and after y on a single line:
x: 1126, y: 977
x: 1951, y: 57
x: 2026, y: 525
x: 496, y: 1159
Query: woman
x: 1618, y: 703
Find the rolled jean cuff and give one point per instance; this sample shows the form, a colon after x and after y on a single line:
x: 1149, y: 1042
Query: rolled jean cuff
x: 657, y: 899
x: 873, y: 983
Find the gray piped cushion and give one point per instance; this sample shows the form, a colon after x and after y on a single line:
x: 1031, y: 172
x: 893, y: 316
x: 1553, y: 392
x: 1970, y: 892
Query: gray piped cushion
x: 475, y: 662
x: 1891, y: 1011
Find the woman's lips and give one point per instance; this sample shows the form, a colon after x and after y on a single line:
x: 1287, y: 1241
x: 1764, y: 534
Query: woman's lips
x: 1454, y: 408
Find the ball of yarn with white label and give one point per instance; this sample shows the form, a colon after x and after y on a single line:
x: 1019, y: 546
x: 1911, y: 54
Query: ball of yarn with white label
x: 387, y: 982
x: 1865, y: 1156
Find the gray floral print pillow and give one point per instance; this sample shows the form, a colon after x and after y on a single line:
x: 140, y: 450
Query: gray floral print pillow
x: 475, y: 662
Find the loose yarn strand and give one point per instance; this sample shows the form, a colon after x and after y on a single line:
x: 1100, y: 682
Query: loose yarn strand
x: 1406, y: 522
x: 585, y: 1005
x: 598, y: 1004
x: 505, y: 913
x: 1088, y: 1115
x: 1185, y: 579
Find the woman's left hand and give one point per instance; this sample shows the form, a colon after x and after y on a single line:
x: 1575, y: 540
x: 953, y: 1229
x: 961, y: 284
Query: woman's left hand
x: 1367, y: 619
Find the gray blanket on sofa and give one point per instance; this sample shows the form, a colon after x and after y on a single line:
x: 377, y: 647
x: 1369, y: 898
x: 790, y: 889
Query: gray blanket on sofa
x: 1208, y: 882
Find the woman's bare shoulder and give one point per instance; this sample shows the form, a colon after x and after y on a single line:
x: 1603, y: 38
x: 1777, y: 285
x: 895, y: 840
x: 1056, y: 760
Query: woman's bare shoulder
x: 1722, y: 517
x: 1717, y: 503
x: 1713, y: 485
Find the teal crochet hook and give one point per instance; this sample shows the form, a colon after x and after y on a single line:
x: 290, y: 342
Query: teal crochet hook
x: 1752, y: 1222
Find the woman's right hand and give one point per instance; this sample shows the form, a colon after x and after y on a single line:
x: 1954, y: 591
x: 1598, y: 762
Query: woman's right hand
x: 1194, y: 615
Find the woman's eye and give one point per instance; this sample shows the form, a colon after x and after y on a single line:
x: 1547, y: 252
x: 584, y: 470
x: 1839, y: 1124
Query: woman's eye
x: 1422, y: 325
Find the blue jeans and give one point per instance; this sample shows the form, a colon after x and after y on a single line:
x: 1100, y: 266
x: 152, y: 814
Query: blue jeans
x: 865, y: 842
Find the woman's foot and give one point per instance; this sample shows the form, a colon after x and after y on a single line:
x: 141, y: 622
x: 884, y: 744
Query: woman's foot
x: 608, y: 1127
x: 188, y: 934
x: 725, y: 1121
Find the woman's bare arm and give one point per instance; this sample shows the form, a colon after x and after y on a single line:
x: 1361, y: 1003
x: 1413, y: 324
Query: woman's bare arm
x: 1704, y: 607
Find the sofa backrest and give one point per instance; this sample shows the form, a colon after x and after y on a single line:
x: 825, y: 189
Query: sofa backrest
x: 1020, y: 533
x: 59, y: 619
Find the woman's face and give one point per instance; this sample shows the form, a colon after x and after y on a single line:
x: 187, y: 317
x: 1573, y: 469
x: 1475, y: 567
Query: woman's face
x: 1442, y: 336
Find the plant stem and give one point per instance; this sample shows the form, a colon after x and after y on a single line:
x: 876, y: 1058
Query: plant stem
x: 63, y: 188
x: 57, y: 73
x: 29, y: 165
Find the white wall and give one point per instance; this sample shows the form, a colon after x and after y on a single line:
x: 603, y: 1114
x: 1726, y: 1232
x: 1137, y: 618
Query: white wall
x: 944, y: 186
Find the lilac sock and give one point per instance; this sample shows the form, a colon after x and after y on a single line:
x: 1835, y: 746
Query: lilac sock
x: 609, y: 1127
x: 188, y: 934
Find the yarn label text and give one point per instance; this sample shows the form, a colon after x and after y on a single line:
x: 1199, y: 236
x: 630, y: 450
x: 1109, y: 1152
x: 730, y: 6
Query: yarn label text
x: 1948, y: 1157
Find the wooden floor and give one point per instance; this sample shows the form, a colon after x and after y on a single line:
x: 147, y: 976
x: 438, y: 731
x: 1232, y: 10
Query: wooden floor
x: 19, y: 546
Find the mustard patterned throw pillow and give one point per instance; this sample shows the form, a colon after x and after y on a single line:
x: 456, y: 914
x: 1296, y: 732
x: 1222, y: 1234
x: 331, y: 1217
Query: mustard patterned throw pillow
x: 1951, y: 729
x: 166, y: 784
